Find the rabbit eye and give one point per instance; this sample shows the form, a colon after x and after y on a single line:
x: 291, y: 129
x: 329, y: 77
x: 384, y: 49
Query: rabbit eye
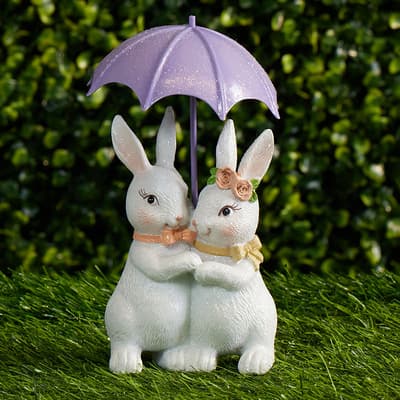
x: 150, y: 198
x: 227, y: 210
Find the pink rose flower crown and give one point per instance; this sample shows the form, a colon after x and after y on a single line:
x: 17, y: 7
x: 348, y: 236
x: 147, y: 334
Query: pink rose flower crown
x: 226, y: 178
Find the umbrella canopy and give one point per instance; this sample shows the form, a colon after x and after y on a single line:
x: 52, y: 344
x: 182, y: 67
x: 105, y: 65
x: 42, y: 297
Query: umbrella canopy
x: 187, y: 60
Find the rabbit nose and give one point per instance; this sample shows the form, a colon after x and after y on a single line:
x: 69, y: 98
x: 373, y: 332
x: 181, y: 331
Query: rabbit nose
x: 194, y: 223
x: 179, y: 218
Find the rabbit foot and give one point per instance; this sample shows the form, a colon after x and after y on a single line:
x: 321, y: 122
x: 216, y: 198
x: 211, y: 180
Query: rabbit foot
x: 126, y: 359
x: 256, y: 360
x: 173, y: 359
x: 200, y: 359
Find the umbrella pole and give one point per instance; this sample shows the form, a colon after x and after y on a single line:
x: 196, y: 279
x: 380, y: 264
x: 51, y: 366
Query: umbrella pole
x: 193, y: 150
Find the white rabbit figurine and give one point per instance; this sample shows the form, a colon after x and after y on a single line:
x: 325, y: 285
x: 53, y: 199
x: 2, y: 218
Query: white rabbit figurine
x: 149, y: 308
x: 232, y: 311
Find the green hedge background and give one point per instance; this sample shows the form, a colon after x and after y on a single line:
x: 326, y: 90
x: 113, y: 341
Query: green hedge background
x: 330, y: 201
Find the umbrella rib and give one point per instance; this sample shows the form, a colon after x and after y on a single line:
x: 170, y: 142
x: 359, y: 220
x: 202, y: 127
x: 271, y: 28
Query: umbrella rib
x: 160, y: 65
x: 272, y: 103
x: 221, y: 95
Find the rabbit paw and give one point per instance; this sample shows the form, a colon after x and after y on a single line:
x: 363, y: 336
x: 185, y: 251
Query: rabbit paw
x: 191, y: 260
x: 200, y: 359
x: 210, y: 273
x: 205, y: 273
x: 173, y: 359
x: 256, y: 360
x: 126, y: 359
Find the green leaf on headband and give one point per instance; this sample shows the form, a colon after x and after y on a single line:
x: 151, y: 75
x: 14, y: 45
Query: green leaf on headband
x: 254, y: 183
x: 253, y: 197
x: 211, y: 180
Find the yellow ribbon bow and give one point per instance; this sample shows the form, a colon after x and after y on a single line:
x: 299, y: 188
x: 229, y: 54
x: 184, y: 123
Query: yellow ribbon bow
x: 250, y: 250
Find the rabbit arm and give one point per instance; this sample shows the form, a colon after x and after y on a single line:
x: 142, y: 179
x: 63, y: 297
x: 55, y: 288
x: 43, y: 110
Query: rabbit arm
x: 161, y: 268
x: 229, y: 277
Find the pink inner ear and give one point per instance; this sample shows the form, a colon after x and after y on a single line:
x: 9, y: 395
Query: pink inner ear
x: 128, y: 147
x: 256, y: 160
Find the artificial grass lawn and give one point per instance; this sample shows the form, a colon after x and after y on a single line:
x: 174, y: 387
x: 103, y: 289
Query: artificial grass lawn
x: 338, y: 338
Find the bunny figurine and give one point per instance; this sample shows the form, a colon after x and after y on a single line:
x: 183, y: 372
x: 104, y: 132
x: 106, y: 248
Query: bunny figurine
x: 149, y: 309
x: 232, y: 311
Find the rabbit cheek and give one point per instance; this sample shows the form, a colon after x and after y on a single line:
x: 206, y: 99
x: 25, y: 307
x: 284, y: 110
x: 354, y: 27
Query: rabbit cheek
x: 145, y: 218
x: 229, y: 231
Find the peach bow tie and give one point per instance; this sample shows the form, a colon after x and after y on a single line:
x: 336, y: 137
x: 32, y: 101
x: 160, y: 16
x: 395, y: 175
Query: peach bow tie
x: 168, y: 236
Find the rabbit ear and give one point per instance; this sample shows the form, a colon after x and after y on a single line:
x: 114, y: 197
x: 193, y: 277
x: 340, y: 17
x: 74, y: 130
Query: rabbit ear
x: 256, y: 160
x: 226, y: 153
x: 166, y: 140
x: 128, y: 147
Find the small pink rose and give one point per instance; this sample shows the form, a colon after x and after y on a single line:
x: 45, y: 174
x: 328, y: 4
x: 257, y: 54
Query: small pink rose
x: 224, y: 178
x: 243, y: 190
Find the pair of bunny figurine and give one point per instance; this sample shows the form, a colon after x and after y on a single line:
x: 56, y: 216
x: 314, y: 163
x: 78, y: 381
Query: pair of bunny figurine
x: 188, y: 302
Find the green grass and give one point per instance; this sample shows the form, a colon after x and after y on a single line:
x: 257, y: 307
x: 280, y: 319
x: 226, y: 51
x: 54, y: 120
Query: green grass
x: 338, y: 338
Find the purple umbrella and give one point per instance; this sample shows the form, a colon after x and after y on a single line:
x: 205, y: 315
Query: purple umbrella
x: 188, y: 60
